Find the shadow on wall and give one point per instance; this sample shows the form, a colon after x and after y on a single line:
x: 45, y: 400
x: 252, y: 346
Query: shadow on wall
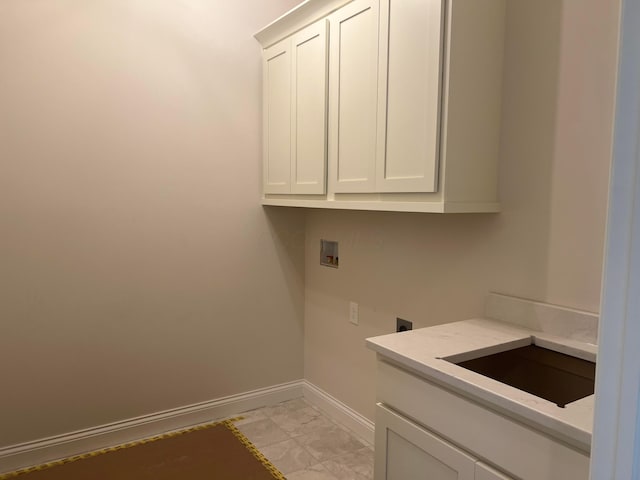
x: 287, y: 229
x: 520, y: 257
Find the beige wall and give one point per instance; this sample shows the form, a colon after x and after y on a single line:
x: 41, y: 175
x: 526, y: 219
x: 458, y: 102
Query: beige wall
x: 138, y: 271
x: 547, y: 244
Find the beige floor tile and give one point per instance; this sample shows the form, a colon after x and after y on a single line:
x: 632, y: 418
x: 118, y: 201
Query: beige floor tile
x: 288, y: 456
x: 286, y: 407
x: 326, y: 443
x: 305, y: 444
x: 302, y: 421
x: 352, y: 466
x: 263, y: 432
x: 251, y: 416
x: 317, y: 472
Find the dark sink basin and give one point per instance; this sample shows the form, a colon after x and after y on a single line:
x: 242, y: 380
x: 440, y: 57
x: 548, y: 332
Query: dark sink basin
x: 554, y: 376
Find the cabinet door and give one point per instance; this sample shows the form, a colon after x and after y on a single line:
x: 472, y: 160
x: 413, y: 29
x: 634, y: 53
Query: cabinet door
x: 411, y: 52
x: 277, y: 118
x: 485, y: 472
x: 309, y: 103
x: 353, y: 96
x: 405, y: 451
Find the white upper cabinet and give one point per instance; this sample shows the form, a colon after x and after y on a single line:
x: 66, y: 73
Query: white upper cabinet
x: 410, y: 73
x: 295, y: 113
x: 354, y: 94
x: 277, y: 118
x: 309, y: 110
x: 386, y: 70
x: 405, y: 118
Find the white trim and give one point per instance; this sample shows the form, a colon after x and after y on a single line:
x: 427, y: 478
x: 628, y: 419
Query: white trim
x: 340, y: 412
x: 61, y: 446
x: 616, y: 440
x: 385, y: 205
x: 56, y: 447
x: 296, y: 19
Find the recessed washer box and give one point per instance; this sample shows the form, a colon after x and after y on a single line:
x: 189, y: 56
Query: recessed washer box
x: 329, y: 253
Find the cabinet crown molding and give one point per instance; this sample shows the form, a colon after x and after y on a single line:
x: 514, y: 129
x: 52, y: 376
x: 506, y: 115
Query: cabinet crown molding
x: 297, y: 18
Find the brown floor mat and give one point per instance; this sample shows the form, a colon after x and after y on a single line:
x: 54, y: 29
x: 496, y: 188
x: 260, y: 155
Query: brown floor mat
x: 214, y: 452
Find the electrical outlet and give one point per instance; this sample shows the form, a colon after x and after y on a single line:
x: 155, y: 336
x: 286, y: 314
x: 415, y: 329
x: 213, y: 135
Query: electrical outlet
x: 403, y: 325
x: 353, y: 313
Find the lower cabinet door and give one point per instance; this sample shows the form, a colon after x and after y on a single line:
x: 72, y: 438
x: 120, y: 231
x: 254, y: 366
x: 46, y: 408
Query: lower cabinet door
x: 406, y: 451
x: 485, y: 472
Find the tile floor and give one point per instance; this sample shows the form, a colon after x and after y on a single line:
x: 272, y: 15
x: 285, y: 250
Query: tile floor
x: 305, y: 444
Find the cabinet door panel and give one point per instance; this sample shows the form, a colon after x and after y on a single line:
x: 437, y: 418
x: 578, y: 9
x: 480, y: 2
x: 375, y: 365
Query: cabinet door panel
x: 484, y: 472
x: 309, y: 102
x: 410, y: 84
x: 405, y: 451
x: 277, y: 118
x: 354, y: 83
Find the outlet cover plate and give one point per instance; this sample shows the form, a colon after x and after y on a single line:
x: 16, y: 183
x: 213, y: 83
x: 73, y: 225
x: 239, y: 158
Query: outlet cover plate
x: 353, y: 313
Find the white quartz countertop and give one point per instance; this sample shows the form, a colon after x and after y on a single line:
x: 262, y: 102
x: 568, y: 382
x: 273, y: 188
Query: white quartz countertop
x: 423, y: 351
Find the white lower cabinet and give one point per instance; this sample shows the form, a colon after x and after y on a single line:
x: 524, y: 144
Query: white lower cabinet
x: 424, y: 431
x: 406, y: 451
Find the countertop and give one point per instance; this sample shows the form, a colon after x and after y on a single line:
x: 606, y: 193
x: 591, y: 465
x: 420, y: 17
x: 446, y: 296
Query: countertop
x: 422, y: 351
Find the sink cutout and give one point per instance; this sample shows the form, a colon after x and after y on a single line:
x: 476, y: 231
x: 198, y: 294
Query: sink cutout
x: 554, y: 376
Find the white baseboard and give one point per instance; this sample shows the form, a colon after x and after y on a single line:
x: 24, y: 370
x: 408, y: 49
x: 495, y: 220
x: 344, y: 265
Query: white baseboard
x: 66, y: 445
x: 341, y: 413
